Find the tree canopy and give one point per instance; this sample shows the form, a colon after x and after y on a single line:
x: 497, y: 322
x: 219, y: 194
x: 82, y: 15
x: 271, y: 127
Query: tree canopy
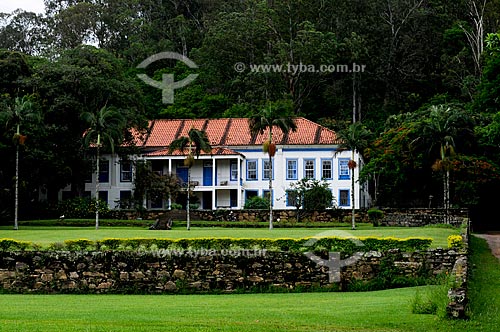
x: 386, y: 64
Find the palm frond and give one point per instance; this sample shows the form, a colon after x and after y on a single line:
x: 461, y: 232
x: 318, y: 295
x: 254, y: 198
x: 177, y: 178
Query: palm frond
x: 179, y: 144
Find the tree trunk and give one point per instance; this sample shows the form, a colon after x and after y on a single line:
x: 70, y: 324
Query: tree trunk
x: 270, y: 181
x: 447, y: 194
x: 16, y: 195
x: 353, y: 214
x: 97, y: 184
x: 188, y: 221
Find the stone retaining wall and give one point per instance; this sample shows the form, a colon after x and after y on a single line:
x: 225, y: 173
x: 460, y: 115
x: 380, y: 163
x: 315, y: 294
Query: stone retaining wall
x: 205, y: 271
x: 413, y: 217
x: 423, y: 217
x: 457, y: 294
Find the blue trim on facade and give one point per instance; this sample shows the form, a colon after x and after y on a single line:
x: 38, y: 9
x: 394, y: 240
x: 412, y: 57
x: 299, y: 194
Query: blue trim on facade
x: 331, y: 169
x: 263, y: 161
x: 255, y: 191
x: 256, y: 161
x: 304, y: 168
x: 104, y: 171
x: 296, y: 176
x: 288, y: 203
x: 348, y: 197
x: 233, y: 163
x: 264, y: 191
x: 343, y: 164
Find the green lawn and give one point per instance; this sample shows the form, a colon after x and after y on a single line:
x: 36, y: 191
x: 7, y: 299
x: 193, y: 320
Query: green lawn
x: 387, y: 310
x: 376, y: 311
x: 46, y: 235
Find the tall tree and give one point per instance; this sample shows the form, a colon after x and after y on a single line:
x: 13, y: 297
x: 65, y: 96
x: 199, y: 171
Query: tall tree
x: 355, y: 138
x: 441, y: 129
x: 106, y: 127
x: 195, y: 142
x: 21, y: 112
x: 275, y: 115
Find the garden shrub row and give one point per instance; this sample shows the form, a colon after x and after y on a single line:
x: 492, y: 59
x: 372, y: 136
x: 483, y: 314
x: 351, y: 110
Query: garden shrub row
x: 332, y: 244
x: 180, y: 224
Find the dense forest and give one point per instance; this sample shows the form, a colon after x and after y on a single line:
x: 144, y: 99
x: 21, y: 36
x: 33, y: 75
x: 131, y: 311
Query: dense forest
x: 428, y: 92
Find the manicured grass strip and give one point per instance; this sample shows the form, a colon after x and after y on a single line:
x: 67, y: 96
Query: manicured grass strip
x: 374, y: 311
x: 484, y: 287
x: 46, y: 235
x: 194, y: 223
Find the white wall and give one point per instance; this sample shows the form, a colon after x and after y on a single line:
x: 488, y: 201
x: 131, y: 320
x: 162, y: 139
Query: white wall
x: 222, y: 171
x: 281, y: 183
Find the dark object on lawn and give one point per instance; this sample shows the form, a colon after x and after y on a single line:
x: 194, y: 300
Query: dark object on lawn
x: 162, y: 224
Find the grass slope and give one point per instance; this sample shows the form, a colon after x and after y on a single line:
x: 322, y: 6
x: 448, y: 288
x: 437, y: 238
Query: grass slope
x: 377, y: 311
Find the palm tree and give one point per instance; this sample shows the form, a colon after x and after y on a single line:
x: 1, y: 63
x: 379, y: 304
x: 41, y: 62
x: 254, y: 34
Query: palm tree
x: 22, y: 111
x: 195, y: 142
x: 106, y: 126
x: 444, y: 124
x: 355, y: 138
x: 267, y: 119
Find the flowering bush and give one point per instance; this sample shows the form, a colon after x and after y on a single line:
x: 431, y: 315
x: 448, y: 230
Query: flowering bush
x: 455, y: 241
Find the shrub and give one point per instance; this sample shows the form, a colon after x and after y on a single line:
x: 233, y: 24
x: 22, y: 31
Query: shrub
x: 318, y: 198
x: 375, y: 215
x: 81, y: 207
x: 347, y: 246
x: 257, y: 203
x: 344, y: 245
x: 455, y: 241
x: 80, y: 244
x: 14, y: 245
x: 176, y: 206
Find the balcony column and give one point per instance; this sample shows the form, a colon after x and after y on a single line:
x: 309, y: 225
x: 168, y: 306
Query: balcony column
x: 214, y: 184
x: 238, y: 167
x: 169, y: 173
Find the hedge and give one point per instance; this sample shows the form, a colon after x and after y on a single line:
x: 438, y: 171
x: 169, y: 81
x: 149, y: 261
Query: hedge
x: 337, y: 244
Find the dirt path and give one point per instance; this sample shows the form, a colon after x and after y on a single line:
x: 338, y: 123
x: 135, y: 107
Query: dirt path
x: 493, y: 240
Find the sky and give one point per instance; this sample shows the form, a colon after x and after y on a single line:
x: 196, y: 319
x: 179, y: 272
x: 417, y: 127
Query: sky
x: 8, y: 6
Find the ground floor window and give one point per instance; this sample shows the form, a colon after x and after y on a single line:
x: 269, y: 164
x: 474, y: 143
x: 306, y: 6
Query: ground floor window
x: 103, y: 196
x: 125, y: 201
x: 344, y: 197
x: 291, y: 198
x: 251, y: 193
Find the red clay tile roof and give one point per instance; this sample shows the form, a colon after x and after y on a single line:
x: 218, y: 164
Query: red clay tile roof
x: 235, y: 132
x: 215, y: 152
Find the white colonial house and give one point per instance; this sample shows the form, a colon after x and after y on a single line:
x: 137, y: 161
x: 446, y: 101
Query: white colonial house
x: 237, y: 168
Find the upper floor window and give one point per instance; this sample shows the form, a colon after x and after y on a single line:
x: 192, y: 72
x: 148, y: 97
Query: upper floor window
x: 88, y: 175
x: 125, y: 171
x: 326, y: 169
x: 309, y: 172
x: 104, y: 171
x: 234, y: 171
x: 344, y: 173
x: 266, y: 170
x: 251, y: 169
x: 291, y: 169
